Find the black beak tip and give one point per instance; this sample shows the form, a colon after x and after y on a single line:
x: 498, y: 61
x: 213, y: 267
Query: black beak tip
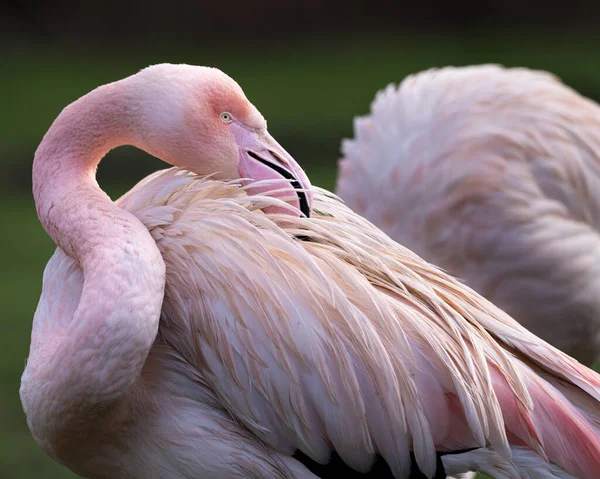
x: 302, y: 197
x: 304, y: 206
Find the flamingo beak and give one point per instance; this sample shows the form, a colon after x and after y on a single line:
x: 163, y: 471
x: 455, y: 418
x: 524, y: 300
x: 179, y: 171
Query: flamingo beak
x: 262, y: 158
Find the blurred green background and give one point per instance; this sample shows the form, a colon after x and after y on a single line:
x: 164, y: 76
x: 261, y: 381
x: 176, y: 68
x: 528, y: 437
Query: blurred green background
x: 310, y: 67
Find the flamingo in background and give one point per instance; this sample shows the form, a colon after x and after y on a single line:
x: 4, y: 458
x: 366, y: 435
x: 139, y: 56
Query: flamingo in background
x: 206, y: 327
x: 494, y: 175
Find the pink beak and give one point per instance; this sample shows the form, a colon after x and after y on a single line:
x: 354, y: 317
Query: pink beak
x: 262, y: 158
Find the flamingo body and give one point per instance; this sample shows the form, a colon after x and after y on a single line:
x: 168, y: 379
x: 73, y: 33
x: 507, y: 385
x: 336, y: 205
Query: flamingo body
x: 210, y: 397
x: 276, y: 336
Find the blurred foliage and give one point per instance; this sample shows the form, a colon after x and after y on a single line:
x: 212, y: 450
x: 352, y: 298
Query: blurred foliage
x: 309, y: 90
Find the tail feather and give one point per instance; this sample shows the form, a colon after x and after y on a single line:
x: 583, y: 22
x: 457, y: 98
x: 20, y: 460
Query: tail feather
x: 525, y: 464
x: 561, y: 424
x: 569, y: 439
x: 562, y: 427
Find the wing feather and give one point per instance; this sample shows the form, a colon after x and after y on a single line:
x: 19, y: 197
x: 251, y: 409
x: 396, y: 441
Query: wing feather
x: 345, y: 341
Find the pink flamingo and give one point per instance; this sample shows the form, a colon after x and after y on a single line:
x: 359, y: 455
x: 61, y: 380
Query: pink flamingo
x: 494, y: 175
x: 207, y: 328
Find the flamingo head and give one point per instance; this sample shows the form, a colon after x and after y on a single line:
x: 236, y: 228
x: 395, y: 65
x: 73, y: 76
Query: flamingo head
x: 200, y: 119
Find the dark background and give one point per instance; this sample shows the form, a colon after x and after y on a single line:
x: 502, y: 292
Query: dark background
x: 310, y: 66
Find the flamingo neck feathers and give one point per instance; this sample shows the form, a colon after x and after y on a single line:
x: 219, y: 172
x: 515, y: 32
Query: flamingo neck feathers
x: 84, y: 362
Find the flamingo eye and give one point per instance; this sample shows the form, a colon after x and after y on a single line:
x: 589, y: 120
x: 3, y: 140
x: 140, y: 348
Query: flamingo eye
x: 226, y: 117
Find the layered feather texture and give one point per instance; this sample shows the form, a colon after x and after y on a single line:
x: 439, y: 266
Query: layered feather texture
x: 492, y: 174
x: 323, y: 334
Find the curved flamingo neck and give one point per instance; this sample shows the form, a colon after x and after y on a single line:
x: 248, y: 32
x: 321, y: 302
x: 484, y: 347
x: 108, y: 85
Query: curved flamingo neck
x: 65, y: 163
x: 90, y: 360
